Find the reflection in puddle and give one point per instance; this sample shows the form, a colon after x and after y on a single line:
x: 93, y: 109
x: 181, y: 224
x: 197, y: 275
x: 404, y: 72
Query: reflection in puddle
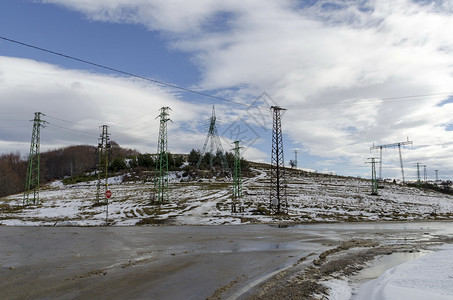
x: 381, y: 264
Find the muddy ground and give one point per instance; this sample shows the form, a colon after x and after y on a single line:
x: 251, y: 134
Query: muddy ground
x: 198, y: 262
x: 302, y: 280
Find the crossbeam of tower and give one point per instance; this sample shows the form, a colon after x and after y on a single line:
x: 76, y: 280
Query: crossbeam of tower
x: 33, y: 164
x: 380, y: 147
x: 214, y: 143
x: 161, y: 175
x: 103, y: 160
x: 278, y: 201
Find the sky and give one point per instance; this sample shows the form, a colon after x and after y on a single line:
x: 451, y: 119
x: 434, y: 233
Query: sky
x: 351, y: 74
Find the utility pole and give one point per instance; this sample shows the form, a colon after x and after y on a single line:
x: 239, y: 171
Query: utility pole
x: 295, y: 158
x: 278, y: 201
x: 237, y: 173
x: 437, y: 175
x: 380, y: 147
x: 161, y: 177
x: 418, y: 174
x: 213, y: 137
x: 33, y: 165
x: 374, y: 180
x: 237, y: 177
x: 103, y: 161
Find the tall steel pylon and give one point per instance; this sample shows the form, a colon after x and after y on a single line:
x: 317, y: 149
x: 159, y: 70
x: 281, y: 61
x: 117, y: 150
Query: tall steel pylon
x: 103, y: 160
x: 399, y: 150
x: 418, y: 173
x: 278, y: 201
x: 214, y: 139
x: 161, y: 175
x: 374, y: 180
x: 33, y: 165
x: 425, y: 174
x: 237, y: 172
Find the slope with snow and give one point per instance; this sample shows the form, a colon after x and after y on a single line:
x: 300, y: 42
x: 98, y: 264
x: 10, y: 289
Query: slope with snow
x: 312, y: 197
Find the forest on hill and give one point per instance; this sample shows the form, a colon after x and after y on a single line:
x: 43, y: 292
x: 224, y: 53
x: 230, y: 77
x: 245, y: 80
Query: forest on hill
x: 77, y: 161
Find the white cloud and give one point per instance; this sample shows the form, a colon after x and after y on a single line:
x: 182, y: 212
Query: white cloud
x: 331, y: 63
x: 76, y: 103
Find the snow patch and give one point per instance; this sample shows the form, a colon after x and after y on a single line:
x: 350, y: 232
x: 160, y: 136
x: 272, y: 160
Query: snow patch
x: 428, y: 277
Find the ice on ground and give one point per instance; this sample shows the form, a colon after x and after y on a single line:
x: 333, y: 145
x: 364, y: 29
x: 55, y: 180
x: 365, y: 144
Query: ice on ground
x: 428, y: 277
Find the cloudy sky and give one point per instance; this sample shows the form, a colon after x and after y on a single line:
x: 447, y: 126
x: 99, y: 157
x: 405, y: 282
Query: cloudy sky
x: 350, y: 74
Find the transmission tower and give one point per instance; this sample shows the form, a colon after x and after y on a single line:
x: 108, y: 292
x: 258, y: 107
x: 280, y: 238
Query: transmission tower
x: 391, y: 146
x: 425, y: 175
x: 237, y: 173
x: 161, y: 175
x: 374, y: 180
x: 278, y: 201
x: 33, y: 165
x: 418, y: 174
x: 295, y: 158
x: 103, y: 160
x: 214, y: 139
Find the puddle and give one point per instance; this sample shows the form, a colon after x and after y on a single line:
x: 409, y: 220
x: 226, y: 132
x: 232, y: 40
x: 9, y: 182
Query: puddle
x: 379, y: 265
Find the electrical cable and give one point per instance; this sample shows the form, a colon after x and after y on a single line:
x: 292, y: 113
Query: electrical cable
x: 122, y: 72
x: 86, y: 134
x: 62, y: 120
x: 174, y: 86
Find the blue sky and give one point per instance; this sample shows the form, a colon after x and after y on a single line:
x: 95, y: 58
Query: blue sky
x: 351, y: 73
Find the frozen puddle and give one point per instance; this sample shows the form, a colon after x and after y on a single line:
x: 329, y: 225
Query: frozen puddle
x: 364, y: 279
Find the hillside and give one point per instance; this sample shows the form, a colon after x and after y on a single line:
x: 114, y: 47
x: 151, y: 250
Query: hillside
x: 312, y: 197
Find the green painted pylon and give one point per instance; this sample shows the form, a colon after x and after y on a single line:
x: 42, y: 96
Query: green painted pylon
x: 161, y: 175
x: 33, y: 165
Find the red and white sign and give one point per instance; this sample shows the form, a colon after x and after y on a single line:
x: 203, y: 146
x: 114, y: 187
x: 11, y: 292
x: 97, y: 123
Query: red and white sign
x: 108, y: 194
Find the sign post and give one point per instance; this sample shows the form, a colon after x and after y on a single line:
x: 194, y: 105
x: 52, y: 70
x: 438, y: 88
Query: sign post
x: 108, y: 194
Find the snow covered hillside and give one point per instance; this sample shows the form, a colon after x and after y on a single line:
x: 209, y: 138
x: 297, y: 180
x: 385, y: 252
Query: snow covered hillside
x: 312, y: 197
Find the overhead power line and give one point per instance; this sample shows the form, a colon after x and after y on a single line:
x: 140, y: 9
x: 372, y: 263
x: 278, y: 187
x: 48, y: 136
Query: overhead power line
x: 174, y: 86
x: 121, y: 71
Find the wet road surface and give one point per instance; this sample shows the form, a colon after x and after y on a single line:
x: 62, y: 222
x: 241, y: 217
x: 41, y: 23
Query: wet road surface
x: 170, y: 262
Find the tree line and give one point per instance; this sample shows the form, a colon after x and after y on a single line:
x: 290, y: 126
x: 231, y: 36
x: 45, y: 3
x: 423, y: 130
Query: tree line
x: 78, y: 160
x: 54, y: 164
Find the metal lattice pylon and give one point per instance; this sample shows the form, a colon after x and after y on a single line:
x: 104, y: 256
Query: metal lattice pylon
x: 161, y: 175
x: 33, y: 165
x: 374, y: 180
x: 399, y: 150
x: 213, y: 137
x: 278, y: 201
x: 103, y: 161
x: 418, y: 174
x: 237, y: 172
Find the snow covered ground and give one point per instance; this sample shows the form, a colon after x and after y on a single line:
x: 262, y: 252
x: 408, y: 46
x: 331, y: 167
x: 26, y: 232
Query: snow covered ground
x: 312, y: 197
x: 427, y: 277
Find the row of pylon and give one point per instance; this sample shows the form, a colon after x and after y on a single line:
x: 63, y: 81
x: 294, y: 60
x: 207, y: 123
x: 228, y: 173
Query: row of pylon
x: 277, y: 203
